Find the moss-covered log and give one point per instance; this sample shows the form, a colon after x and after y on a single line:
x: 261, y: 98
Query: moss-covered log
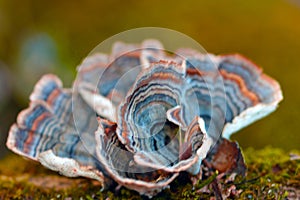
x: 272, y: 174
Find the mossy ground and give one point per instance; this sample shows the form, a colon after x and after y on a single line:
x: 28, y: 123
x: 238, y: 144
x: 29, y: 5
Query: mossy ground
x: 271, y: 175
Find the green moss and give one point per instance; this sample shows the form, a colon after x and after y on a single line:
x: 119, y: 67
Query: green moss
x: 271, y: 175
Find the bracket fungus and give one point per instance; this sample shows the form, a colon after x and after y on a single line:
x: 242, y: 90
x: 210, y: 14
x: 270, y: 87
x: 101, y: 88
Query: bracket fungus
x: 169, y: 113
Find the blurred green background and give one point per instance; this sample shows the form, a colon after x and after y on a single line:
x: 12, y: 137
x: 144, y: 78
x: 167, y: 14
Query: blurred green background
x: 38, y: 37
